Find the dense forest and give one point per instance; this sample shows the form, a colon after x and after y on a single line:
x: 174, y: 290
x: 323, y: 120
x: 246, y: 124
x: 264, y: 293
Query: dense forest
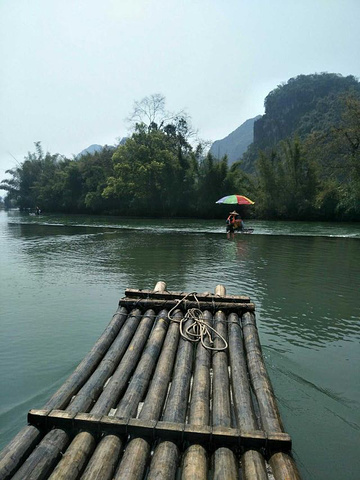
x: 304, y: 163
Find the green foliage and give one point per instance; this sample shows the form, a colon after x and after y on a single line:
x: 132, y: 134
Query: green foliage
x: 310, y: 171
x: 146, y: 172
x: 307, y: 150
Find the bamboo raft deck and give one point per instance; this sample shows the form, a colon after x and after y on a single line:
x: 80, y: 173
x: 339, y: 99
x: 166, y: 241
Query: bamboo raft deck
x: 147, y: 403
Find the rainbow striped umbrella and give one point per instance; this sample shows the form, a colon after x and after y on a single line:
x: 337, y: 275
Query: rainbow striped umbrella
x: 236, y: 199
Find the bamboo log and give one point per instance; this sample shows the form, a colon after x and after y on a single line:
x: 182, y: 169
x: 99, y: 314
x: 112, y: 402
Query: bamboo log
x: 166, y: 453
x: 246, y: 419
x: 225, y: 464
x: 253, y: 466
x: 284, y: 467
x: 160, y: 287
x: 75, y: 458
x: 19, y: 448
x: 137, y: 343
x: 220, y: 290
x: 136, y: 454
x: 92, y: 388
x: 270, y: 416
x: 176, y: 406
x: 140, y: 380
x: 43, y: 459
x: 164, y: 462
x: 221, y: 392
x: 195, y: 463
x: 134, y: 461
x: 200, y: 395
x: 114, y: 389
x: 252, y: 462
x: 107, y: 399
x: 206, y: 296
x: 155, y: 398
x: 195, y: 458
x: 117, y: 384
x: 88, y: 365
x: 103, y: 463
x: 282, y: 464
x: 208, y: 304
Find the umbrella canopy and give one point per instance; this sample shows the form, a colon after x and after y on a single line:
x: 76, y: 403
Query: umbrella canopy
x: 236, y: 200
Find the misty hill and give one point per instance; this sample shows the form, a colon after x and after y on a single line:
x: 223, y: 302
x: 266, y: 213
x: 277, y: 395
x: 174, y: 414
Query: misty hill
x: 236, y: 143
x: 303, y: 104
x: 98, y: 148
x: 92, y: 149
x: 299, y: 107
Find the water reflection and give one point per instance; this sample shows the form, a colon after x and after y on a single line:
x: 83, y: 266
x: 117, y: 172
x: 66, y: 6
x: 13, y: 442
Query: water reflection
x: 305, y: 288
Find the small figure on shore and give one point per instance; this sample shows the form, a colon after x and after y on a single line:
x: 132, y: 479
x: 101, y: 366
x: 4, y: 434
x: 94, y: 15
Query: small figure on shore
x: 37, y: 211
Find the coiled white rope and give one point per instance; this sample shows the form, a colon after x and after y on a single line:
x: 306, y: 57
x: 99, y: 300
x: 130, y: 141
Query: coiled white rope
x: 199, y: 329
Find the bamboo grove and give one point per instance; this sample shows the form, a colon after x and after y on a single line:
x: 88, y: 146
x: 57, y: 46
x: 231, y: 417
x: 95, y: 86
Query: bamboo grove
x: 158, y: 173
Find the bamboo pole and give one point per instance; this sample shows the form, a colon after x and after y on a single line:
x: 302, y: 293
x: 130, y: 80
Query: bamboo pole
x: 14, y: 454
x: 207, y: 304
x: 156, y: 396
x: 133, y: 463
x: 166, y: 455
x: 270, y: 416
x: 109, y: 448
x: 252, y: 462
x: 106, y: 400
x: 220, y: 290
x: 89, y: 364
x: 282, y: 464
x: 200, y: 395
x: 93, y: 387
x: 61, y: 439
x: 225, y: 464
x: 67, y: 469
x: 103, y: 463
x: 140, y: 380
x: 195, y: 458
x: 115, y: 388
x: 195, y: 463
x: 75, y: 457
x: 160, y: 287
x: 45, y: 456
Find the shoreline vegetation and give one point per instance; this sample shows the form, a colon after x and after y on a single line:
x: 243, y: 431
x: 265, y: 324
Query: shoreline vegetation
x: 304, y: 163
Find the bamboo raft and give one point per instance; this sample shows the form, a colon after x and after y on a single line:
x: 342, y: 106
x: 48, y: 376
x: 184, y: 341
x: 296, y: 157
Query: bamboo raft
x: 147, y: 402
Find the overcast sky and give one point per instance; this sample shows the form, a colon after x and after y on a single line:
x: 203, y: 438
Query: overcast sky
x: 72, y: 69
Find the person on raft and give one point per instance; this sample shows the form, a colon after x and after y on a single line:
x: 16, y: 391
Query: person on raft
x: 234, y: 222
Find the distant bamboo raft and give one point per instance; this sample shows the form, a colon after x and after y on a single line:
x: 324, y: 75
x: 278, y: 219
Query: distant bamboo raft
x: 146, y: 402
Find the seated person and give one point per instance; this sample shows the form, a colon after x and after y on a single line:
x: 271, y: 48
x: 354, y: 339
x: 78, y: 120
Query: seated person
x: 234, y: 222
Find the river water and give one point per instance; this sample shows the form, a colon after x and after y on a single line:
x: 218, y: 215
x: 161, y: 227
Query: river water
x: 62, y: 276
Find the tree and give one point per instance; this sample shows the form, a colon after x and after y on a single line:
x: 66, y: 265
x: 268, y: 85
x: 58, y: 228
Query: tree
x: 337, y: 152
x: 145, y: 173
x: 287, y: 182
x: 151, y: 112
x: 28, y: 179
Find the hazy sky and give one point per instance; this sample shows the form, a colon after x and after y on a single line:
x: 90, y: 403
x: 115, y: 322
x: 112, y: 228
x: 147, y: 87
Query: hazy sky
x: 72, y: 69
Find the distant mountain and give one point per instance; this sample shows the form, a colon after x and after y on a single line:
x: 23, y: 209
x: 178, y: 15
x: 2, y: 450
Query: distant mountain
x: 303, y: 105
x: 236, y: 143
x: 92, y: 149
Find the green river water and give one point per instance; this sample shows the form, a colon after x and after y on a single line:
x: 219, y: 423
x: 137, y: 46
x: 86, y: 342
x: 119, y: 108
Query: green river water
x: 62, y: 276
